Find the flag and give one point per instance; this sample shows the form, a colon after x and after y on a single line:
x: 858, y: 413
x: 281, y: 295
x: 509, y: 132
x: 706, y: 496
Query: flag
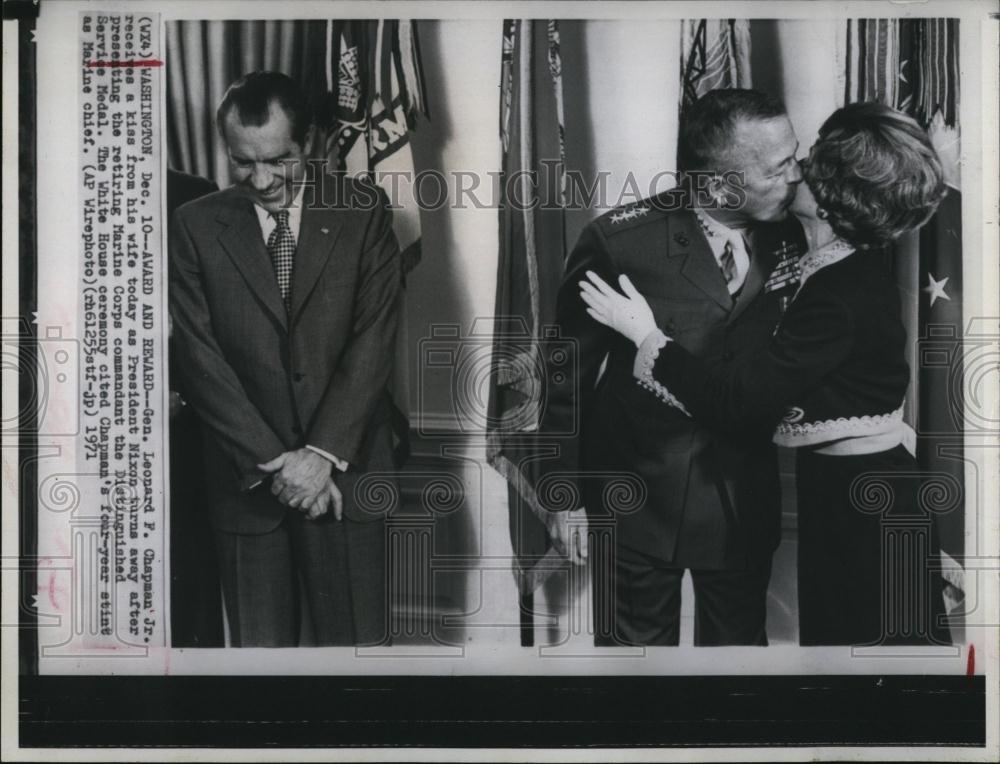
x: 372, y: 94
x: 531, y: 260
x: 908, y: 64
x: 912, y: 65
x: 715, y: 53
x: 939, y: 363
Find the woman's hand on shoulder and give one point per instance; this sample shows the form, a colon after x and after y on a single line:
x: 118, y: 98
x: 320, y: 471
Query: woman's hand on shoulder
x: 628, y: 314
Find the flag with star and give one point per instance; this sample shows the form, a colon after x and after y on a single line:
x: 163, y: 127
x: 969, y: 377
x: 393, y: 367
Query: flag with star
x: 912, y: 65
x: 909, y: 64
x: 372, y: 94
x: 939, y: 361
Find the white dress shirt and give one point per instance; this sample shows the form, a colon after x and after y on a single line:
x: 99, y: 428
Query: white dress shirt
x: 268, y: 223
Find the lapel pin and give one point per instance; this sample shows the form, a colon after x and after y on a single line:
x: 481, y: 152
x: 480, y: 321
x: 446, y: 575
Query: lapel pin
x: 325, y: 230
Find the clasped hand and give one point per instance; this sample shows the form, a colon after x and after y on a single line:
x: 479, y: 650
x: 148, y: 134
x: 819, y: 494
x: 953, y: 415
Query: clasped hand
x: 628, y: 314
x: 301, y: 479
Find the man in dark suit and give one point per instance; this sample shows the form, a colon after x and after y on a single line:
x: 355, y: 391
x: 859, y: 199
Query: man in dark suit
x: 714, y: 258
x: 195, y: 601
x: 283, y: 293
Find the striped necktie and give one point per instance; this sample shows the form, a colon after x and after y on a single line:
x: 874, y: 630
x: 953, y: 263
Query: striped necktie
x: 728, y: 263
x: 734, y: 262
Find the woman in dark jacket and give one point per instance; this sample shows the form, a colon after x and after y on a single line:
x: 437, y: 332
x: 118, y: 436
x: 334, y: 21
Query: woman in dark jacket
x: 832, y: 383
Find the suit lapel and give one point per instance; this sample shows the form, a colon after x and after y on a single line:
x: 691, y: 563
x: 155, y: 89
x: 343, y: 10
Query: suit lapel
x: 319, y: 231
x: 243, y: 241
x: 699, y: 267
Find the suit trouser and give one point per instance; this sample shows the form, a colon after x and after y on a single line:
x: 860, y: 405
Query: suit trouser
x: 637, y: 601
x: 340, y: 566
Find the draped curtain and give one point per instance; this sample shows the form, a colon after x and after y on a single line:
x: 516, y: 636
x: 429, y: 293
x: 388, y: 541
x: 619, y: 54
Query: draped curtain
x: 204, y: 57
x: 359, y: 74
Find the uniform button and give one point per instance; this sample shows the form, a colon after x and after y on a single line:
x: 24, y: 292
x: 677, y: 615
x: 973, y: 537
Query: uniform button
x: 298, y: 376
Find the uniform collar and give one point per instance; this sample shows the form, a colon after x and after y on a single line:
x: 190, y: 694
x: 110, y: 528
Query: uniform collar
x: 714, y: 229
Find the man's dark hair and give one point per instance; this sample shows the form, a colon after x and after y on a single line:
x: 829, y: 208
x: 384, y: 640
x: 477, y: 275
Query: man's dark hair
x: 707, y: 125
x: 252, y: 95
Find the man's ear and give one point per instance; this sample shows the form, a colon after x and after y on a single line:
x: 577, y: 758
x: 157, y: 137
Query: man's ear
x: 307, y: 144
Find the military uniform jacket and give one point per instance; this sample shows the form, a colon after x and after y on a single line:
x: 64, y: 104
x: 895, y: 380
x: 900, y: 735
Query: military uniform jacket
x: 666, y: 484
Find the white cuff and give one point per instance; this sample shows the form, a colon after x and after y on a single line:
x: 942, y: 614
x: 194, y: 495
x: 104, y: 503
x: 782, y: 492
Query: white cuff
x: 642, y: 369
x: 337, y: 462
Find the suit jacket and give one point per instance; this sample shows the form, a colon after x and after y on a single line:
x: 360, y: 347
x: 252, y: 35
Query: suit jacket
x: 265, y: 380
x: 181, y: 189
x: 705, y: 501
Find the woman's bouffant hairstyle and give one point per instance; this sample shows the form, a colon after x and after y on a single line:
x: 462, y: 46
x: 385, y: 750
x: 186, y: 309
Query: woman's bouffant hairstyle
x: 875, y: 174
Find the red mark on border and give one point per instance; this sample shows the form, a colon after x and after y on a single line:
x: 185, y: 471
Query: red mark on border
x: 136, y: 63
x: 54, y: 591
x: 970, y: 664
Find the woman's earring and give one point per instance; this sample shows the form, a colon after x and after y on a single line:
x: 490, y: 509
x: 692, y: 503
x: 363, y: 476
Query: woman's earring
x: 821, y: 213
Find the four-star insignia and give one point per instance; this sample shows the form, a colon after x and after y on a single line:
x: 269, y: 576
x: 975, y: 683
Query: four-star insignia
x: 630, y: 214
x: 935, y: 288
